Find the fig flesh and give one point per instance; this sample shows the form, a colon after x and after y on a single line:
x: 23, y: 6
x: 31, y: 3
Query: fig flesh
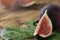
x: 44, y: 27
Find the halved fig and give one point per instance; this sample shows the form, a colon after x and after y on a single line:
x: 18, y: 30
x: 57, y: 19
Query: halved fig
x: 13, y: 3
x: 54, y: 15
x: 26, y: 3
x: 44, y: 27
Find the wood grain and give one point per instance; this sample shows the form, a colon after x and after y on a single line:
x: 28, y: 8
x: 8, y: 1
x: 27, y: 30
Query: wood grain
x: 15, y: 18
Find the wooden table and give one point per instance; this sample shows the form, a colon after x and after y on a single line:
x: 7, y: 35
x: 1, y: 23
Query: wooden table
x: 14, y: 18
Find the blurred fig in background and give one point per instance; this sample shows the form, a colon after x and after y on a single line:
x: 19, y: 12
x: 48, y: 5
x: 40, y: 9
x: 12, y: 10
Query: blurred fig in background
x: 14, y: 3
x: 26, y: 3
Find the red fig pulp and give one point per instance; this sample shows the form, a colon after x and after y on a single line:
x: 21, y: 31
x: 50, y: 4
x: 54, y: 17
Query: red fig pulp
x: 44, y: 27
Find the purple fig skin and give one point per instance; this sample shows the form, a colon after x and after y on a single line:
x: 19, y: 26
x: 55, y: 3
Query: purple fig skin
x: 53, y: 13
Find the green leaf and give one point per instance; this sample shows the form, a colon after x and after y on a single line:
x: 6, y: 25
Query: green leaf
x: 15, y: 33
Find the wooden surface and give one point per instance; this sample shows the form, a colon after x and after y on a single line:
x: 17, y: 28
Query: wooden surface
x: 16, y: 17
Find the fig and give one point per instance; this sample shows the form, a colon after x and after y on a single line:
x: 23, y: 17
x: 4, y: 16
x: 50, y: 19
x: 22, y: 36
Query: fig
x: 54, y: 15
x: 44, y: 27
x: 17, y: 3
x: 26, y: 3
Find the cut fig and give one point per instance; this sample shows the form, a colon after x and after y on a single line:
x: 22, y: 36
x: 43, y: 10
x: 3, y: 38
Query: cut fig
x: 54, y: 15
x: 26, y: 3
x: 44, y: 27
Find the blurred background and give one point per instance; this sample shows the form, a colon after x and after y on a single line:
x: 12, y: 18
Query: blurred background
x: 15, y: 12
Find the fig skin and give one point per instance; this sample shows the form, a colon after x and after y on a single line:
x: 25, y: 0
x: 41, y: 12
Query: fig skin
x: 54, y: 15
